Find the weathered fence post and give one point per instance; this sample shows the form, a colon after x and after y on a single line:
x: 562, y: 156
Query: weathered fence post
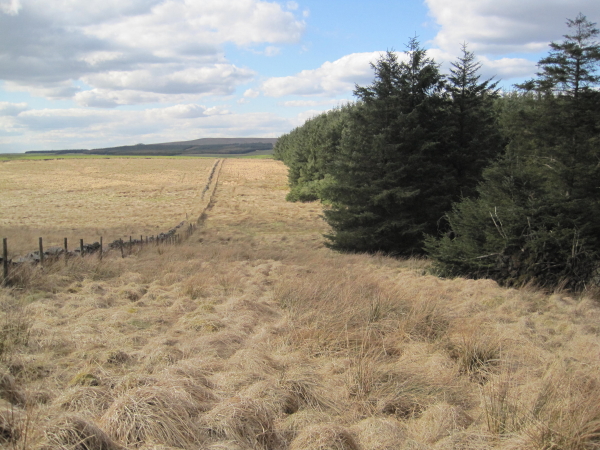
x: 141, y: 240
x: 130, y: 244
x: 41, y: 252
x: 121, y: 245
x: 5, y: 258
x: 66, y: 251
x: 100, y: 256
x: 81, y: 247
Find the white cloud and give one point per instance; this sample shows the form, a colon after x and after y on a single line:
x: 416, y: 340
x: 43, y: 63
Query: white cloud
x: 96, y: 128
x: 500, y: 69
x: 312, y: 103
x: 52, y: 90
x: 507, y: 68
x: 170, y: 25
x: 251, y: 93
x: 164, y: 47
x: 12, y: 109
x: 219, y: 79
x: 492, y: 27
x: 331, y: 79
x: 10, y: 7
x: 272, y: 51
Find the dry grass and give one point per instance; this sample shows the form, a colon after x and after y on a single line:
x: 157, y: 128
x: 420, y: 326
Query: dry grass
x: 251, y: 335
x: 89, y: 198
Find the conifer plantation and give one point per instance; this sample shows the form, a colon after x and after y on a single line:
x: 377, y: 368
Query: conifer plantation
x: 489, y: 184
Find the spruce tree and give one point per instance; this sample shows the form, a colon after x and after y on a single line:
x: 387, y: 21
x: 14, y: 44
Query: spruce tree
x: 538, y: 215
x: 473, y: 138
x: 390, y: 180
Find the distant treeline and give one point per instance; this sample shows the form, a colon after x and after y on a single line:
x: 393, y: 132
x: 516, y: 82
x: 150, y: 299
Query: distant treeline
x: 488, y: 184
x: 174, y: 149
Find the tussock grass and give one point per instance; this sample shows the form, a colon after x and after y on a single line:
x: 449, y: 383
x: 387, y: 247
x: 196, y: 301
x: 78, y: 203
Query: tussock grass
x: 73, y: 432
x: 252, y: 335
x: 153, y: 414
x: 324, y: 437
x: 242, y: 419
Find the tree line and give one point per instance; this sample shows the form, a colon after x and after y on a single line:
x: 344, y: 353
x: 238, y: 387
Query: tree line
x: 487, y: 183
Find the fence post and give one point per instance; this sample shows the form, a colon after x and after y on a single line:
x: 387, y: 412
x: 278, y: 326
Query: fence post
x: 66, y: 251
x: 121, y: 245
x: 41, y: 252
x: 81, y: 247
x: 141, y: 240
x: 100, y: 248
x: 5, y: 258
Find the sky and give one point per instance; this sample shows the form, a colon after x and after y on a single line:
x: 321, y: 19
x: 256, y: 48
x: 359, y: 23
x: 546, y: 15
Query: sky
x: 87, y: 74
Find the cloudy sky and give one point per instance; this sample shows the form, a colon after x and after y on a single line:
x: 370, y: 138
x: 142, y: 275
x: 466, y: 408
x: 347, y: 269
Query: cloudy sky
x: 91, y: 74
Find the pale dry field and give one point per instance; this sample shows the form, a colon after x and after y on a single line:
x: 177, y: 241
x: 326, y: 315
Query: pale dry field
x: 89, y: 198
x: 252, y: 335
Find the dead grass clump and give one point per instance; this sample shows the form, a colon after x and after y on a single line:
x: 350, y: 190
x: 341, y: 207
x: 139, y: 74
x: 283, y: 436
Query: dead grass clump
x: 15, y: 325
x: 475, y: 350
x: 308, y: 391
x: 245, y: 420
x: 199, y: 285
x: 426, y: 321
x: 269, y: 391
x: 380, y: 433
x: 290, y: 426
x: 439, y: 421
x: 89, y: 399
x: 406, y: 394
x: 332, y: 308
x: 152, y: 414
x: 73, y: 432
x: 132, y: 292
x: 195, y: 370
x: 9, y: 390
x: 566, y: 412
x: 185, y: 388
x: 325, y: 437
x: 12, y: 420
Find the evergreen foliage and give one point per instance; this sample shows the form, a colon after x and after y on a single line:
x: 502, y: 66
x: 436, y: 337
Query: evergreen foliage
x: 309, y: 150
x: 391, y: 183
x: 473, y: 136
x: 538, y: 215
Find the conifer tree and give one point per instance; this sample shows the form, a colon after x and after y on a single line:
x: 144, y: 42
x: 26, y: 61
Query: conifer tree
x: 473, y: 138
x: 390, y: 176
x: 538, y: 215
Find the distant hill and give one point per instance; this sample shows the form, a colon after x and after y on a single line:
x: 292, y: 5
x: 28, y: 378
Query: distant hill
x: 212, y: 146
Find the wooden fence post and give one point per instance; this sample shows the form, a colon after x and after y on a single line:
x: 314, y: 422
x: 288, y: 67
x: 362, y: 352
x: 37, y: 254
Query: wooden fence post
x: 66, y: 251
x: 100, y: 248
x: 81, y: 247
x: 141, y: 240
x: 5, y: 258
x: 41, y: 252
x: 121, y: 245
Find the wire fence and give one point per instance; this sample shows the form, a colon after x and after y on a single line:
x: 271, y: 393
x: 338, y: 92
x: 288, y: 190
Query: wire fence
x: 174, y: 236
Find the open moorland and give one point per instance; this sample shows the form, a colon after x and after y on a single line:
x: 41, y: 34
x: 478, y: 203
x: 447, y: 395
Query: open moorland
x: 251, y: 335
x: 89, y: 198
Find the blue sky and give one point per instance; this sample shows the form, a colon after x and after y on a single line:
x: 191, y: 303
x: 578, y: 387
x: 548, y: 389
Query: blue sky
x: 88, y: 74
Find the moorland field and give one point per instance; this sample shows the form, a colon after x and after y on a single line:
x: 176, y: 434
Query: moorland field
x: 250, y: 334
x: 89, y: 198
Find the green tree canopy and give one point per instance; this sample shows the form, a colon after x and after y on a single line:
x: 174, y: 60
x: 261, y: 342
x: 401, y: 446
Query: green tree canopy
x: 538, y: 214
